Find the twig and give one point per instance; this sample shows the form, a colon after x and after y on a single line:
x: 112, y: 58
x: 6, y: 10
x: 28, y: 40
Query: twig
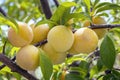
x: 46, y: 8
x: 95, y: 53
x: 4, y: 47
x: 96, y: 26
x: 112, y: 1
x: 41, y: 43
x: 3, y: 12
x: 15, y: 68
x: 99, y: 26
x: 118, y: 69
x: 56, y: 3
x: 2, y: 66
x: 90, y: 55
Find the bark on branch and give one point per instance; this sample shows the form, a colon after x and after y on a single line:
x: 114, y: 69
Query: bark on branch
x: 56, y: 3
x: 46, y: 8
x: 3, y: 12
x: 15, y: 68
x: 2, y: 66
x: 40, y: 43
x: 96, y: 26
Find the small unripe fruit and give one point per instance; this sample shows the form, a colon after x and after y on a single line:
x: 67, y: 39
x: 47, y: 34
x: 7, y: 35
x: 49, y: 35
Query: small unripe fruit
x: 28, y: 57
x: 55, y: 57
x: 40, y: 32
x: 85, y: 41
x: 23, y: 37
x: 97, y: 20
x: 60, y: 38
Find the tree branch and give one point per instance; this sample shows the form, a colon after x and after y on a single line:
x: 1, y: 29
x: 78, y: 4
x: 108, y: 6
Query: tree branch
x: 2, y: 66
x: 56, y: 3
x: 96, y: 26
x: 3, y: 12
x: 15, y: 68
x: 46, y: 8
x: 41, y: 43
x: 4, y: 47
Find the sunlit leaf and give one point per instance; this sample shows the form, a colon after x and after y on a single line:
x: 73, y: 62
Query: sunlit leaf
x: 49, y: 22
x: 61, y: 10
x: 96, y: 2
x: 8, y: 21
x: 46, y: 65
x: 101, y: 5
x: 81, y: 15
x: 103, y: 14
x: 107, y: 6
x: 87, y: 2
x: 28, y: 18
x: 17, y: 76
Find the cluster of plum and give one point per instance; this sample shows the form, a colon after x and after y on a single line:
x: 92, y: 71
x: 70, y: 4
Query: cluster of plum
x: 60, y: 41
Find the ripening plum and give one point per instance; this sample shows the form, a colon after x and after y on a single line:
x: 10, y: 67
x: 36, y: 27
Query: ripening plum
x: 85, y: 41
x: 60, y: 38
x: 23, y: 37
x: 97, y: 20
x: 40, y: 33
x: 55, y: 57
x: 28, y: 57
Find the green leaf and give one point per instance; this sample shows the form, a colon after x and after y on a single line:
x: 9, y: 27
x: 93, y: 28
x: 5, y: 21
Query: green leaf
x: 68, y: 4
x: 73, y: 76
x: 103, y: 14
x: 107, y: 6
x: 49, y: 22
x: 61, y: 10
x: 81, y: 15
x: 46, y: 65
x: 16, y: 75
x: 9, y: 21
x: 99, y: 64
x: 87, y: 2
x: 116, y: 74
x: 84, y: 66
x: 101, y: 5
x: 107, y: 52
x: 109, y: 77
x: 96, y: 2
x: 28, y: 18
x: 1, y: 77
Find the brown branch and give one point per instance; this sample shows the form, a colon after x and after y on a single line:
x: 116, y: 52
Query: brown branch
x: 117, y: 69
x: 96, y: 26
x: 2, y: 66
x: 15, y: 68
x: 92, y: 54
x: 3, y: 12
x: 41, y: 43
x: 56, y: 3
x: 46, y: 8
x: 4, y: 47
